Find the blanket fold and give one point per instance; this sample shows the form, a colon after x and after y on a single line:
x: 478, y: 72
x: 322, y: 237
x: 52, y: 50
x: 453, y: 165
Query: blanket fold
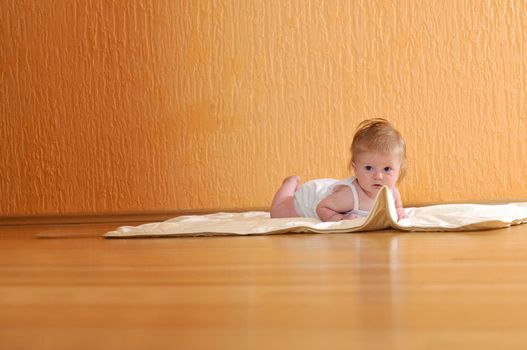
x: 383, y: 215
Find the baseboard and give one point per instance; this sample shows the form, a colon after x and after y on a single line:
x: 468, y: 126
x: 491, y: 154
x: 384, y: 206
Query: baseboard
x: 131, y: 217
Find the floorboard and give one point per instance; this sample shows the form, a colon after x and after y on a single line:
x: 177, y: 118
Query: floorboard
x: 65, y: 287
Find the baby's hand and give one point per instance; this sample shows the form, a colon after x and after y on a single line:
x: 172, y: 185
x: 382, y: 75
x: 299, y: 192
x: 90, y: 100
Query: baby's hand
x: 401, y: 214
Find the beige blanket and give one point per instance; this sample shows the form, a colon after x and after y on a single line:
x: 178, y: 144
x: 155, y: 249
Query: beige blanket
x: 447, y: 217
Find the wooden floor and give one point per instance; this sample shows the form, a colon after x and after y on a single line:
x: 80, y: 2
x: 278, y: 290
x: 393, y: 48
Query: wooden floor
x: 65, y: 287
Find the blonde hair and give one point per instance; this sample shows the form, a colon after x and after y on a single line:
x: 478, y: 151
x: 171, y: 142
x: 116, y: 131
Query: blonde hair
x: 378, y: 135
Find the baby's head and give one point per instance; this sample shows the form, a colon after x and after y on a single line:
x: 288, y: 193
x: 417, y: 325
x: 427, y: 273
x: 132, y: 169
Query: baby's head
x: 380, y: 137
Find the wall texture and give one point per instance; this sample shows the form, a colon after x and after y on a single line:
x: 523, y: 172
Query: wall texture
x: 116, y: 106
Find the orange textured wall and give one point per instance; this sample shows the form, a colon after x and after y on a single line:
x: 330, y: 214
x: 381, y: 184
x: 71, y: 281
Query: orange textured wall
x: 114, y: 106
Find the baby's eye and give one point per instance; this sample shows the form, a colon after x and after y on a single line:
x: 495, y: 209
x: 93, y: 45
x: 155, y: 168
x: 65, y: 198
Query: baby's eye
x: 387, y: 169
x: 368, y: 167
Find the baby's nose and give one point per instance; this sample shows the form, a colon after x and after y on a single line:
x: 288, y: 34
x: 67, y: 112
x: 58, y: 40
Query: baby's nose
x: 378, y: 176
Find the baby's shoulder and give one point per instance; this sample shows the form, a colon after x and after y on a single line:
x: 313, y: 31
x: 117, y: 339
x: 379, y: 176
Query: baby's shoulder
x: 395, y: 190
x: 345, y: 182
x: 342, y: 188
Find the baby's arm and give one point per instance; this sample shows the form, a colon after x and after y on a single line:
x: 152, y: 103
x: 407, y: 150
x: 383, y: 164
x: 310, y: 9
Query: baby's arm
x: 332, y: 207
x: 398, y: 204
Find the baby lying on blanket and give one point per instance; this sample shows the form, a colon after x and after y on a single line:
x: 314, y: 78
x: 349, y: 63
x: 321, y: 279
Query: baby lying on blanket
x: 378, y: 158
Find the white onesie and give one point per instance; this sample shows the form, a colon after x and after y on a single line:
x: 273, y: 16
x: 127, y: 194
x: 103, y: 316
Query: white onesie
x: 312, y: 192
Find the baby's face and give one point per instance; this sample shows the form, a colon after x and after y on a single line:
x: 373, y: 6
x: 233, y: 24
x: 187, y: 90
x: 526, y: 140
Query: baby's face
x: 374, y: 170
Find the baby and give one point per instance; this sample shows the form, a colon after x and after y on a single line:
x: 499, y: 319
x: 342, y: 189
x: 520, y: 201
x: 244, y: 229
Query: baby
x: 378, y: 158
